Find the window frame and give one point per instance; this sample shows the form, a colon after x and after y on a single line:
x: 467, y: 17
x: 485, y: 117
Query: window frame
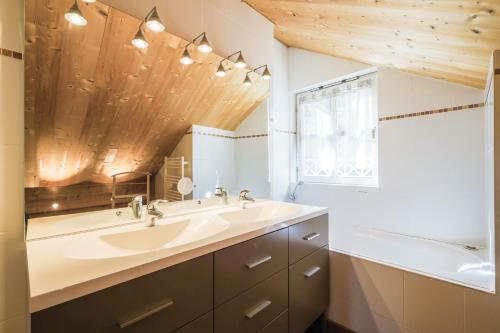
x: 340, y: 182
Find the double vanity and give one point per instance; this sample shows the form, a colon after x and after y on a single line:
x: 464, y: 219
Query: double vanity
x: 204, y: 267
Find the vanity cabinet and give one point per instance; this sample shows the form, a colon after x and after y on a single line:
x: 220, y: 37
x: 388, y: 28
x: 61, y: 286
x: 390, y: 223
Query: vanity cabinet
x: 158, y: 302
x: 309, y: 296
x: 242, y: 266
x: 307, y: 237
x: 275, y: 283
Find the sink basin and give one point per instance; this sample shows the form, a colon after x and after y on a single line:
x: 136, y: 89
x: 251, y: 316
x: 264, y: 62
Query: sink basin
x: 260, y: 212
x: 142, y: 240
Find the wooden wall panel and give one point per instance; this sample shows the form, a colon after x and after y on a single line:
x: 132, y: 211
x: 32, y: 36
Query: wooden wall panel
x: 449, y: 40
x: 91, y: 95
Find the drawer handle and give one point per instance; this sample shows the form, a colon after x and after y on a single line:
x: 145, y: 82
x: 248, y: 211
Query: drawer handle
x: 311, y: 236
x: 162, y: 306
x: 309, y: 273
x: 258, y: 262
x: 257, y: 309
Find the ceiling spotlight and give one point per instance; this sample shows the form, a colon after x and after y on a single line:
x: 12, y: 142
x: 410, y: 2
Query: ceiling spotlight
x: 204, y: 45
x: 89, y: 1
x: 139, y: 41
x: 240, y: 62
x: 221, y: 71
x: 247, y: 80
x: 75, y: 16
x: 55, y: 205
x: 186, y: 57
x: 153, y: 21
x: 266, y: 74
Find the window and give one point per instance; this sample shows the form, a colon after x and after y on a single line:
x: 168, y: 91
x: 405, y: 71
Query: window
x: 337, y: 138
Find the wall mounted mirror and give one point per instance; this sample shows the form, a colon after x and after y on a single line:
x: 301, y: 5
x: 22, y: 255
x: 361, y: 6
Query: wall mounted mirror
x: 106, y: 120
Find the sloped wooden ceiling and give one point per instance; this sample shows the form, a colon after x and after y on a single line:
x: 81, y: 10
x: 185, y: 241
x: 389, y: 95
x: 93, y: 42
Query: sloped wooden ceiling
x: 95, y: 105
x: 443, y: 39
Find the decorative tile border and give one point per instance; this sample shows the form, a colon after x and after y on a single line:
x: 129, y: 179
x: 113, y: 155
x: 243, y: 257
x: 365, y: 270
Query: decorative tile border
x: 11, y: 54
x: 425, y: 113
x: 285, y: 131
x: 227, y: 136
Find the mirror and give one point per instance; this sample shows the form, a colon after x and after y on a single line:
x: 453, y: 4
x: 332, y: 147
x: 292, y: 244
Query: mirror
x: 106, y: 121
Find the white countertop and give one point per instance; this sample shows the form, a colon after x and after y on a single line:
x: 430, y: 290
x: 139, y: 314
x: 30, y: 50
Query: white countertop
x: 57, y: 275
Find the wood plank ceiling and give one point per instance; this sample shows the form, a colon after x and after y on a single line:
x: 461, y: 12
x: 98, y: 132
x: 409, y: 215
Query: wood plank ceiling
x: 443, y: 39
x: 95, y: 105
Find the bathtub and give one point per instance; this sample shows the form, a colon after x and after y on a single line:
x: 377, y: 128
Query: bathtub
x: 449, y: 262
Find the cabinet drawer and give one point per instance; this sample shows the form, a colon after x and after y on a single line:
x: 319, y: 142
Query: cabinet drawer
x: 242, y: 266
x: 204, y: 324
x: 278, y: 325
x: 254, y: 309
x: 307, y: 237
x: 158, y: 302
x: 309, y: 290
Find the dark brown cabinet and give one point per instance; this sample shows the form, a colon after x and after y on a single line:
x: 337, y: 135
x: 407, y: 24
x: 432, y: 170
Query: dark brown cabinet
x: 307, y: 237
x: 255, y: 308
x: 159, y: 302
x: 242, y: 266
x: 204, y: 324
x: 309, y: 290
x: 275, y: 283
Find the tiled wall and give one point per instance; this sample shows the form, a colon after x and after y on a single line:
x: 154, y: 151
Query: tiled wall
x: 369, y: 298
x: 431, y: 156
x: 252, y: 153
x: 372, y: 298
x: 13, y: 283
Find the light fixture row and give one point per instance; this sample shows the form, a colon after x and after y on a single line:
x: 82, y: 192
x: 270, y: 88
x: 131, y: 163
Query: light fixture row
x: 153, y: 22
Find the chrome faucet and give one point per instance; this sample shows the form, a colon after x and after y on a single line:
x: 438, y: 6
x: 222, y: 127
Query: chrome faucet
x: 153, y: 210
x: 221, y: 192
x: 292, y: 196
x: 136, y: 205
x: 245, y: 199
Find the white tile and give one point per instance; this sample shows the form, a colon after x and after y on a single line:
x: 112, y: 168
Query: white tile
x: 12, y: 101
x: 18, y: 324
x: 13, y: 280
x: 433, y: 306
x: 11, y: 190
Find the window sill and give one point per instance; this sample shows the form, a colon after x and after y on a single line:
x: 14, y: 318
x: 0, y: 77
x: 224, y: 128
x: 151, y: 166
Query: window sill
x: 339, y: 187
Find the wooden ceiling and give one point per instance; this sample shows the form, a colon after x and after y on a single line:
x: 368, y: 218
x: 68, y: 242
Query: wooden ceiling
x: 443, y: 39
x: 95, y: 105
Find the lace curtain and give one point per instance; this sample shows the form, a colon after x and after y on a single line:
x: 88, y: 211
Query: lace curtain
x: 338, y: 133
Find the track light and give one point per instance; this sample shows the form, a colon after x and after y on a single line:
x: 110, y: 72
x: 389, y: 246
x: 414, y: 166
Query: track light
x: 247, y: 82
x: 75, y: 16
x: 139, y: 41
x: 203, y: 45
x: 266, y: 74
x: 221, y: 71
x: 153, y: 21
x: 240, y: 61
x: 186, y: 57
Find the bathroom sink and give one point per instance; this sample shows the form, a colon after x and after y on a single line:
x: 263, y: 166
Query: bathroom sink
x: 140, y: 240
x: 260, y: 212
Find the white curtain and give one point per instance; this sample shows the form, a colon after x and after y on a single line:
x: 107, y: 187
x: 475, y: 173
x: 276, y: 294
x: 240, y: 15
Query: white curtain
x: 338, y: 133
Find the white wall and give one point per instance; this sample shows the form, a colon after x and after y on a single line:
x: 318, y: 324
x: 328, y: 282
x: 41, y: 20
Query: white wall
x: 214, y: 162
x: 252, y: 162
x: 431, y: 168
x: 13, y: 277
x: 281, y: 122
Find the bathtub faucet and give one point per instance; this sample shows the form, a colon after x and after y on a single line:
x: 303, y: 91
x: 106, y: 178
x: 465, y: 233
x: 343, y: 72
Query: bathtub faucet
x: 292, y: 195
